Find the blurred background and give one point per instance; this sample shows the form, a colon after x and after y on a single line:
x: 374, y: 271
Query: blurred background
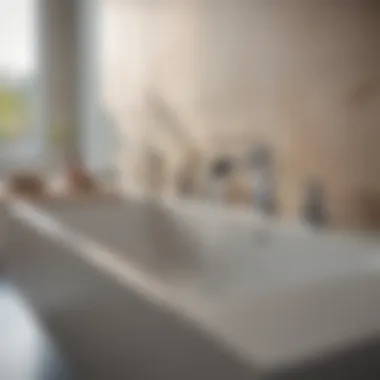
x: 155, y: 96
x: 218, y: 124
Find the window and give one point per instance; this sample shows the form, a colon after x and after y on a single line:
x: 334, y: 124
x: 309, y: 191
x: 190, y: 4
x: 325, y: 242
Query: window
x: 17, y: 70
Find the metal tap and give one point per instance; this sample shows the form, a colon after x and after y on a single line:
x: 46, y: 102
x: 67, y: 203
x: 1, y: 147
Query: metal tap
x: 220, y: 170
x: 263, y: 184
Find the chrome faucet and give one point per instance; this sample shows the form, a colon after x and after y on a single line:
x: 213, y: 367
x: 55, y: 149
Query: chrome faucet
x: 262, y: 176
x: 219, y: 172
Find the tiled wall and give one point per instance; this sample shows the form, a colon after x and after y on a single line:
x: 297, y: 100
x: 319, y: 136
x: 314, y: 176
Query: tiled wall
x: 302, y: 76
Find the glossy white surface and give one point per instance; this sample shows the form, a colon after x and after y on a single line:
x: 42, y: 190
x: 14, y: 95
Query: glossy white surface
x: 275, y: 294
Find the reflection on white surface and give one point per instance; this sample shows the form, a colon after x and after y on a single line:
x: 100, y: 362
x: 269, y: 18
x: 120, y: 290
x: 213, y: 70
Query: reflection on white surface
x: 25, y: 351
x: 20, y: 344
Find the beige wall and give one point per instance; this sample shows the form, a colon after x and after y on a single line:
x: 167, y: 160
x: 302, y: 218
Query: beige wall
x: 302, y: 75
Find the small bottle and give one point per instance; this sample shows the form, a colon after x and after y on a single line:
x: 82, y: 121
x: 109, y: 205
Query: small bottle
x: 313, y: 207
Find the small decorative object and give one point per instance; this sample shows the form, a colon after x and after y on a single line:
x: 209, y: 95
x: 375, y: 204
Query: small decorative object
x: 27, y: 185
x: 313, y: 208
x: 80, y: 182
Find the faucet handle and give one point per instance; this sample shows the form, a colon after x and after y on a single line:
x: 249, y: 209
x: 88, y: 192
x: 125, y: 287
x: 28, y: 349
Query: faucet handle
x: 221, y: 168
